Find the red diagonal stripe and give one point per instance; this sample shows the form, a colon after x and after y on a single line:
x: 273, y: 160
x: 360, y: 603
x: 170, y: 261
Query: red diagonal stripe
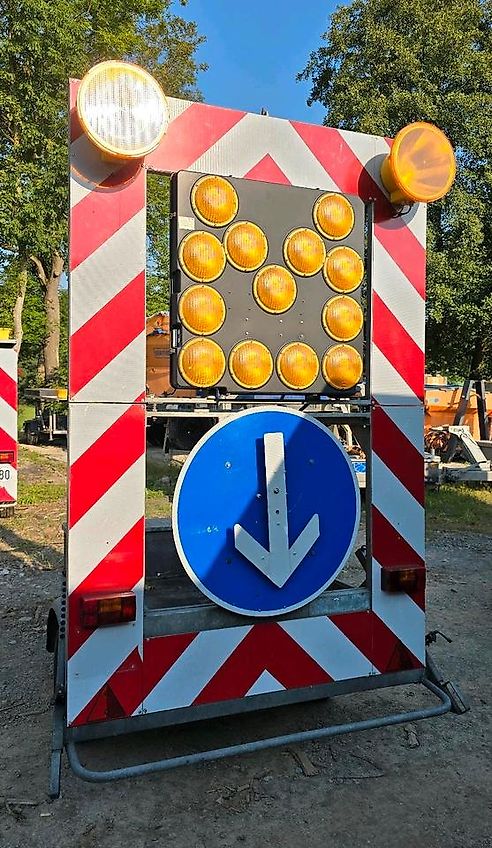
x: 398, y: 346
x: 390, y: 654
x: 388, y: 547
x: 376, y: 641
x: 130, y: 684
x: 7, y: 443
x: 392, y: 550
x: 339, y: 161
x: 107, y: 333
x: 105, y: 461
x: 404, y: 248
x: 119, y: 571
x: 265, y: 648
x: 8, y: 389
x: 267, y: 170
x: 100, y: 214
x: 190, y: 135
x: 397, y: 452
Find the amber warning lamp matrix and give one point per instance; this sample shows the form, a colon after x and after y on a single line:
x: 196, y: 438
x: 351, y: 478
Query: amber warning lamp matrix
x: 266, y: 287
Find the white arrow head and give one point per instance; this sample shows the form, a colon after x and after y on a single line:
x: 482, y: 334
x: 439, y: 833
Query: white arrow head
x: 280, y: 562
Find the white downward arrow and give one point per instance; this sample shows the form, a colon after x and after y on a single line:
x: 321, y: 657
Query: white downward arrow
x: 280, y: 562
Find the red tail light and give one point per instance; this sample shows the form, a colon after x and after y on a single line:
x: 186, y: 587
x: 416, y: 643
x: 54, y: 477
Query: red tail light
x: 7, y: 456
x: 103, y: 610
x: 402, y: 579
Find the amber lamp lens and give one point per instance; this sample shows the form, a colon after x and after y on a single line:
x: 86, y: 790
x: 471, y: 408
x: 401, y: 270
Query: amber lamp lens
x: 304, y: 252
x: 251, y: 364
x: 342, y: 318
x: 202, y: 310
x: 214, y: 201
x: 246, y: 246
x: 342, y: 366
x: 421, y: 166
x: 333, y: 216
x: 343, y: 269
x: 202, y: 362
x: 297, y: 365
x: 274, y: 288
x: 202, y: 256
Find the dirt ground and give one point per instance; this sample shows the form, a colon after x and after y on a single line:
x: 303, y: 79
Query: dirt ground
x: 376, y: 788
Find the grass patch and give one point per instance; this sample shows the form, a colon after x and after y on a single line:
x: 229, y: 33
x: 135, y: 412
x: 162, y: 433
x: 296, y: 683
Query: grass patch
x: 157, y: 504
x: 460, y: 508
x: 33, y: 457
x: 160, y: 481
x: 24, y: 413
x: 40, y: 493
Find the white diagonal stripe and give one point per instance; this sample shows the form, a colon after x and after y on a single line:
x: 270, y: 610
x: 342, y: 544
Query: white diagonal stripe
x: 120, y: 381
x: 107, y: 271
x: 177, y: 107
x: 96, y: 661
x: 251, y: 139
x: 196, y: 666
x: 8, y: 418
x: 8, y: 362
x: 9, y: 485
x: 387, y: 386
x: 398, y: 294
x: 105, y: 523
x: 86, y: 159
x: 400, y: 614
x: 397, y: 505
x: 266, y: 683
x: 329, y: 647
x: 88, y: 422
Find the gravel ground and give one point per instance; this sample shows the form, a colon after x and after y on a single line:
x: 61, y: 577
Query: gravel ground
x: 407, y: 786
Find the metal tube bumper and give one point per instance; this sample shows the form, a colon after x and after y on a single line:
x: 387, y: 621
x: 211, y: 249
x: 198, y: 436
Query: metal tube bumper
x: 250, y: 747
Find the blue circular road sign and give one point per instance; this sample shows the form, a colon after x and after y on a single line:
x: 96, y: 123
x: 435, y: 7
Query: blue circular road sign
x: 266, y: 511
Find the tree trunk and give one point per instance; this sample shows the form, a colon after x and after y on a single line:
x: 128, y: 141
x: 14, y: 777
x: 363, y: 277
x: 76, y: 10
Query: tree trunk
x: 51, y: 348
x: 19, y: 305
x: 477, y: 360
x: 40, y: 372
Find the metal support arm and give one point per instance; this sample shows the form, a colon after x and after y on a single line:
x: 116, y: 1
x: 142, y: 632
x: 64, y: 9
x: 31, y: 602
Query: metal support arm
x: 250, y: 747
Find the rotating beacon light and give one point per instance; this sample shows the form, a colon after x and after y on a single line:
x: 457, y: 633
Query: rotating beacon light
x: 122, y: 110
x: 420, y: 167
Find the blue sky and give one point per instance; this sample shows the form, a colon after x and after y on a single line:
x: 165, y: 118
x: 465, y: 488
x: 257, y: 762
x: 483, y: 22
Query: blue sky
x: 254, y: 50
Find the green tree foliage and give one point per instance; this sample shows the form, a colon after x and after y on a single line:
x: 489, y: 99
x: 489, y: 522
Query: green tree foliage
x: 157, y: 243
x: 385, y: 63
x: 42, y: 44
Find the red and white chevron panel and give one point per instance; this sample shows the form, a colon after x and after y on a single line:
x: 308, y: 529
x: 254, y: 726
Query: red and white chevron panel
x: 8, y: 424
x: 193, y: 669
x: 115, y: 672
